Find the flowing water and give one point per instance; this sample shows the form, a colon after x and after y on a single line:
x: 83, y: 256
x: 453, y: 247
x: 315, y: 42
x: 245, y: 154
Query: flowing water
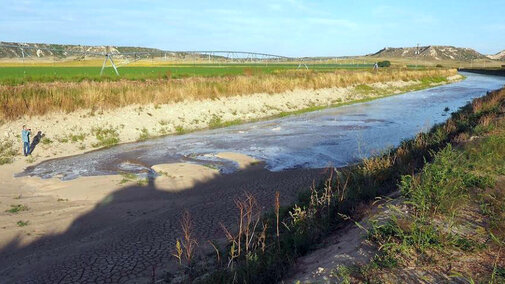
x: 331, y: 137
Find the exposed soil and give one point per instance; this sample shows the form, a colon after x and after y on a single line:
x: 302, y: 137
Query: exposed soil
x: 129, y: 231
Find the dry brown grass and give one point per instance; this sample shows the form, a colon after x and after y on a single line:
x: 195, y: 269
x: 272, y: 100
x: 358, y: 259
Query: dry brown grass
x: 185, y: 247
x: 486, y: 119
x: 244, y: 240
x: 488, y: 102
x: 42, y: 98
x: 450, y: 126
x: 461, y: 138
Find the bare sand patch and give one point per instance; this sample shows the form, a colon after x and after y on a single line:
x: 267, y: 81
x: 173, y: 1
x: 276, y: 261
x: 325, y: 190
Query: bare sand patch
x: 455, y: 77
x: 181, y: 176
x: 242, y: 160
x: 93, y: 188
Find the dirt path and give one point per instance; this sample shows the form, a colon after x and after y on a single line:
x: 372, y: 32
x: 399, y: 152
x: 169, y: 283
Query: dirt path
x: 346, y: 247
x: 134, y: 228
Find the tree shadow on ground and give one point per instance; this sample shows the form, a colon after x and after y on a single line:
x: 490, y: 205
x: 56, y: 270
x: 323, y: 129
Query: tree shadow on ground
x: 133, y: 230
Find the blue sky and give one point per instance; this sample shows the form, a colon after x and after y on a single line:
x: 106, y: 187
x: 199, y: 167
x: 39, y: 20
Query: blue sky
x: 283, y: 27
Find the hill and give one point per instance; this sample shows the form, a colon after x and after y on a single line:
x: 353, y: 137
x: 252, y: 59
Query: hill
x: 431, y: 52
x: 499, y: 56
x: 41, y: 50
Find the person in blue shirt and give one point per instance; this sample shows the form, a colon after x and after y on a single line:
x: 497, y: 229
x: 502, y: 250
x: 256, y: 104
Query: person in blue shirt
x: 25, y: 136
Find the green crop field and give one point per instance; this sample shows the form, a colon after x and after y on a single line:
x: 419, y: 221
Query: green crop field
x: 21, y: 74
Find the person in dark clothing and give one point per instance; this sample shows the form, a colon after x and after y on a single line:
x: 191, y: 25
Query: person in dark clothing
x: 35, y: 141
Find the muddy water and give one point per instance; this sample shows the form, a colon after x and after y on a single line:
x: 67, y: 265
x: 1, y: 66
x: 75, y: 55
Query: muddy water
x: 330, y: 137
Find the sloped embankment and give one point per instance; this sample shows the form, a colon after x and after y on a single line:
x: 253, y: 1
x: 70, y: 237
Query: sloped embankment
x: 448, y: 224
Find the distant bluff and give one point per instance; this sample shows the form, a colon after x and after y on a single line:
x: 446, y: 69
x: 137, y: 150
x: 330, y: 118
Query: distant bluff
x: 431, y: 52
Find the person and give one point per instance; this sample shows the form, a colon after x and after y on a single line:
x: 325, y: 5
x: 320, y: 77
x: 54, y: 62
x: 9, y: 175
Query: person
x: 36, y: 141
x: 375, y: 66
x: 25, y: 136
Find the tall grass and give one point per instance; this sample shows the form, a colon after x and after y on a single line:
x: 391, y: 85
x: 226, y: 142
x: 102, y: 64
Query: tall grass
x: 41, y: 98
x: 326, y: 206
x: 438, y: 200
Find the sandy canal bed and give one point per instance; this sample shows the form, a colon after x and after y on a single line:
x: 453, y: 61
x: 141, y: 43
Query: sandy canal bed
x: 101, y: 228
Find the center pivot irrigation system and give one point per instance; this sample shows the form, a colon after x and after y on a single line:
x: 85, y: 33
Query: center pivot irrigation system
x: 210, y: 56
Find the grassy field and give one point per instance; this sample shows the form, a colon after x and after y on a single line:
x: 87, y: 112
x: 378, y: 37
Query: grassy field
x: 15, y: 75
x: 15, y: 72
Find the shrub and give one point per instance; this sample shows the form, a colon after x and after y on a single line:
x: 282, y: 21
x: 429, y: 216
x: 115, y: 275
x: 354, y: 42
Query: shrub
x: 179, y: 130
x: 385, y: 63
x: 77, y: 137
x: 106, y: 137
x: 46, y: 141
x: 144, y: 134
x: 7, y: 152
x: 215, y: 122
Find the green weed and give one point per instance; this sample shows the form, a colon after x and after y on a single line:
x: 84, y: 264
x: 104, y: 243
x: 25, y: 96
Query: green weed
x: 366, y: 89
x: 7, y: 152
x: 211, y: 166
x: 77, y: 137
x: 217, y: 122
x: 22, y: 223
x: 17, y: 208
x: 179, y: 130
x: 143, y: 181
x: 127, y: 177
x: 31, y: 159
x: 106, y: 137
x: 46, y: 141
x: 144, y: 134
x: 61, y: 139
